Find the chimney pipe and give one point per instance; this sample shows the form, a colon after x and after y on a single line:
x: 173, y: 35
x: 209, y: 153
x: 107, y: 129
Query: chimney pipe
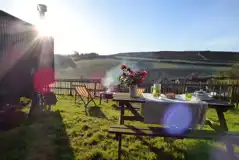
x: 42, y: 9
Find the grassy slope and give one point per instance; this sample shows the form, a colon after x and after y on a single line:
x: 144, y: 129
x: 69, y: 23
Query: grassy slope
x: 97, y: 67
x: 88, y: 68
x: 187, y: 55
x: 67, y: 134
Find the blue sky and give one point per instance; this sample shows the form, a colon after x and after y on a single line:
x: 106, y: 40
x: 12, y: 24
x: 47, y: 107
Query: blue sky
x: 112, y: 26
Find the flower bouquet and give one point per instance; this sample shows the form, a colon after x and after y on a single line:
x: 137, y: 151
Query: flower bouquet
x: 131, y: 79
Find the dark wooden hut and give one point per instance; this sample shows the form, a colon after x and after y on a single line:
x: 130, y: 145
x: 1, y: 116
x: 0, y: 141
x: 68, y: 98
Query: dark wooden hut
x: 22, y: 53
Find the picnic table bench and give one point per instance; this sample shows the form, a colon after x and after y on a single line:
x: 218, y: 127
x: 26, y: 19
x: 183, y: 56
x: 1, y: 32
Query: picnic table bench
x: 125, y: 101
x: 161, y: 132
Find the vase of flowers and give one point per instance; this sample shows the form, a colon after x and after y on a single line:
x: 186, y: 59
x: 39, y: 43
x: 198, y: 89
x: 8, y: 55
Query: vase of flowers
x: 131, y: 79
x: 133, y: 90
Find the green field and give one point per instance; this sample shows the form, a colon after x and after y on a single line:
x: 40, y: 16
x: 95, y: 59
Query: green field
x: 98, y: 67
x: 66, y: 133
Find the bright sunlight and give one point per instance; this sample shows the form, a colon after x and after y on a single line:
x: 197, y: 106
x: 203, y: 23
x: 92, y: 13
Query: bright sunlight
x: 44, y: 29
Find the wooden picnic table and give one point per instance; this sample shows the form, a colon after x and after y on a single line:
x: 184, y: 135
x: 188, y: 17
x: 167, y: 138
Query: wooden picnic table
x: 125, y: 102
x: 106, y: 95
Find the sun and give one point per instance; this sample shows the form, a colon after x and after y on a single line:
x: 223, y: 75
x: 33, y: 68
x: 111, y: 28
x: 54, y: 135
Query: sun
x: 44, y: 29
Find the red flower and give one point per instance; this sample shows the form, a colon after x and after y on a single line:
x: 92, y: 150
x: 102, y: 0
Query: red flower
x: 131, y: 75
x: 123, y: 66
x: 141, y: 81
x: 129, y: 70
x: 144, y: 73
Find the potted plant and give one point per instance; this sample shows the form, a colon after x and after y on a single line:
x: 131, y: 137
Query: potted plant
x: 131, y: 79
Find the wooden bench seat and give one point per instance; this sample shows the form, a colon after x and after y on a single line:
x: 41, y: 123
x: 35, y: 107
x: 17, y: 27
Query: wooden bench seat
x: 119, y: 130
x: 161, y: 132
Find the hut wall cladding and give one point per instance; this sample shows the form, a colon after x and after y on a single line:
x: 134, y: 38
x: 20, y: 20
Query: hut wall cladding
x: 20, y: 49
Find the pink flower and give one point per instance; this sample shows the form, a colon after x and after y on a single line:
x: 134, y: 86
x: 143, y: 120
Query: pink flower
x: 130, y: 70
x: 131, y: 74
x: 123, y: 66
x: 141, y: 81
x: 144, y: 73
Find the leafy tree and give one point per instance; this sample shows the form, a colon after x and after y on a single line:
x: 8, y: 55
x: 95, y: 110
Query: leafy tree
x: 76, y: 54
x: 233, y: 72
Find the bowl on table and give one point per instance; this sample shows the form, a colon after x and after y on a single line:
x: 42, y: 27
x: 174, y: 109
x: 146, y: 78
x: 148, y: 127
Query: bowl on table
x: 171, y: 95
x: 202, y: 95
x: 108, y: 94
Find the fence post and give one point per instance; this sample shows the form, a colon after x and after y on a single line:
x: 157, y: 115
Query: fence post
x: 118, y: 88
x: 232, y: 96
x: 70, y: 88
x: 95, y: 89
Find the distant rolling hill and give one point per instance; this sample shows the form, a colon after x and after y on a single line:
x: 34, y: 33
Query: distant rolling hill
x: 100, y: 66
x: 63, y: 62
x: 203, y: 56
x: 177, y: 61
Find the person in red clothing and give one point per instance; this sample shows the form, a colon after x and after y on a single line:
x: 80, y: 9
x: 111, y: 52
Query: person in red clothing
x: 43, y: 77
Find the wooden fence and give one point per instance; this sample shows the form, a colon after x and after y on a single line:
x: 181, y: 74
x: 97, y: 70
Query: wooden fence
x: 226, y: 91
x: 66, y: 86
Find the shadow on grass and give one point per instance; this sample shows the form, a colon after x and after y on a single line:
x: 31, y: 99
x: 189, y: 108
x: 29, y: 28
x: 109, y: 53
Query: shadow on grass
x: 160, y: 152
x: 95, y: 111
x: 196, y: 151
x: 42, y: 138
x: 11, y: 118
x: 214, y: 125
x: 115, y: 106
x: 234, y: 111
x: 62, y: 142
x: 220, y: 154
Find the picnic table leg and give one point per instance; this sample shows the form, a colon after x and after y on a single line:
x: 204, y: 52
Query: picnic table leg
x: 223, y: 125
x: 121, y: 105
x: 119, y: 136
x: 100, y: 98
x: 119, y: 146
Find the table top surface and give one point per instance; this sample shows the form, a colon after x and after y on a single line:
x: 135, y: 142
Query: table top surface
x: 119, y: 96
x: 108, y: 93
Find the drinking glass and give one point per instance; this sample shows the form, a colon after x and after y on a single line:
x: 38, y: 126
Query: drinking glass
x: 188, y: 96
x: 156, y: 90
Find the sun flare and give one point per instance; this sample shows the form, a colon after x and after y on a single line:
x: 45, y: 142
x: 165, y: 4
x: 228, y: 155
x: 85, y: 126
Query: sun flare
x: 44, y: 29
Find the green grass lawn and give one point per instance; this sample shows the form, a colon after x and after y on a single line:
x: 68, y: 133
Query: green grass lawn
x: 66, y: 133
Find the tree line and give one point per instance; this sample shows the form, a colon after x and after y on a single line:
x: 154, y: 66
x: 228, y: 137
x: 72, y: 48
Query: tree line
x: 232, y: 73
x: 79, y: 56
